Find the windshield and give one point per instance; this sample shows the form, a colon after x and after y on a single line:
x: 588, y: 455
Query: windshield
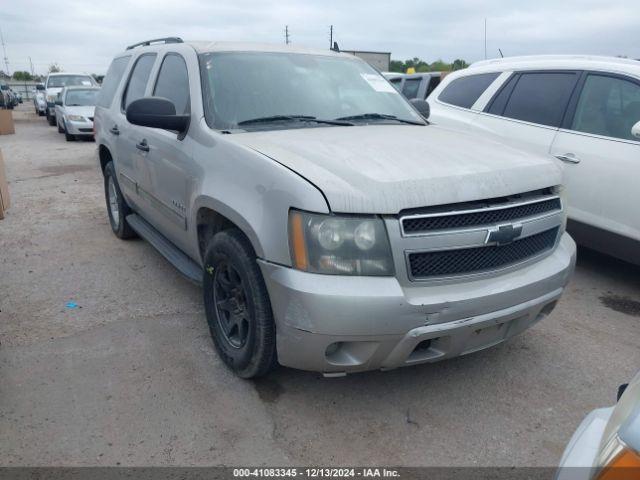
x: 243, y: 86
x: 81, y: 98
x: 70, y: 81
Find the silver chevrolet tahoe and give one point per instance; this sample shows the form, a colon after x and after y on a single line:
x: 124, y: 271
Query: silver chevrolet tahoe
x: 331, y: 227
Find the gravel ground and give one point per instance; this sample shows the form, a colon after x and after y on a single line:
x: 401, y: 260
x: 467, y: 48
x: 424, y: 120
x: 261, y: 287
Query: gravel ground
x: 130, y: 376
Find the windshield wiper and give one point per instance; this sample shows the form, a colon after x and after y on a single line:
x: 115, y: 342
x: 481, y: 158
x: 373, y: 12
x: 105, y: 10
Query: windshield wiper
x: 294, y: 118
x: 380, y: 116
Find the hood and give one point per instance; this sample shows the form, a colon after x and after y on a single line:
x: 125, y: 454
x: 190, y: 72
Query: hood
x: 86, y: 111
x: 388, y: 168
x: 53, y: 90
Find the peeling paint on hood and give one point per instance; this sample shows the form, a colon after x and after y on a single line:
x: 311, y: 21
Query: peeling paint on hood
x: 384, y: 169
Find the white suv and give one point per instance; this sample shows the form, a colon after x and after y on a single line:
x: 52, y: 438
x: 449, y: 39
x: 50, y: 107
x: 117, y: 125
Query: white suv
x: 584, y: 111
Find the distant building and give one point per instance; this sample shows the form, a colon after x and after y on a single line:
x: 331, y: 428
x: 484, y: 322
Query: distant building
x: 379, y: 60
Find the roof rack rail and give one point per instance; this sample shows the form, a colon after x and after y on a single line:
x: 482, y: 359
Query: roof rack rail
x: 156, y: 40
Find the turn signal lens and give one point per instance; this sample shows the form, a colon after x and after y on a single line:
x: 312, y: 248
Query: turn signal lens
x: 625, y: 465
x: 297, y: 243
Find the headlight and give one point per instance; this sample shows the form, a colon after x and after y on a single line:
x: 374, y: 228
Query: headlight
x: 75, y: 118
x: 51, y: 98
x: 339, y: 245
x: 617, y: 461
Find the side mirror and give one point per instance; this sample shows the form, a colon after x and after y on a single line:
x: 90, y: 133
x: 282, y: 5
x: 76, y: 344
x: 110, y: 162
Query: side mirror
x: 635, y: 130
x: 156, y: 112
x: 422, y: 106
x: 59, y: 102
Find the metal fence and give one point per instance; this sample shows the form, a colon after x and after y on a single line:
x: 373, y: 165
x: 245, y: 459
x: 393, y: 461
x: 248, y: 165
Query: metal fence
x: 22, y: 87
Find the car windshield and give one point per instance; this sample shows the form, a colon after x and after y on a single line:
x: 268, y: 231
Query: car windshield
x: 81, y: 98
x: 281, y: 90
x: 69, y: 81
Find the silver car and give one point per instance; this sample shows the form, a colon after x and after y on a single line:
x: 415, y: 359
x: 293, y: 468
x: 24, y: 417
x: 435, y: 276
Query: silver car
x: 40, y: 99
x: 331, y: 227
x: 55, y: 82
x: 606, y: 445
x: 75, y: 108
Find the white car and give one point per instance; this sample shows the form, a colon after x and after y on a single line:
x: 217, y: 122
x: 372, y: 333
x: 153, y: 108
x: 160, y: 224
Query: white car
x: 75, y: 107
x: 56, y: 82
x: 39, y: 99
x: 606, y: 445
x: 584, y: 111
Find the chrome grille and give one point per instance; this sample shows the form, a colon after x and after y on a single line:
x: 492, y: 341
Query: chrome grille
x: 424, y: 265
x: 428, y: 222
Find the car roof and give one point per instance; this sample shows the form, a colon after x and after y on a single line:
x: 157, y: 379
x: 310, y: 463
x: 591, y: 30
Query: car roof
x: 544, y: 62
x: 81, y: 74
x: 216, y: 46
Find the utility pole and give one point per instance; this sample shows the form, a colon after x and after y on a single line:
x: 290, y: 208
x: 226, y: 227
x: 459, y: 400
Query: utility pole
x: 485, y: 38
x: 330, y: 37
x: 4, y: 51
x: 33, y: 73
x: 286, y: 34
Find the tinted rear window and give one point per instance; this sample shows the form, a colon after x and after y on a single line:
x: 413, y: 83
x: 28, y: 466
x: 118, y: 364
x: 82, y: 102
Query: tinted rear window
x: 112, y: 80
x: 411, y: 87
x: 464, y: 91
x: 541, y: 97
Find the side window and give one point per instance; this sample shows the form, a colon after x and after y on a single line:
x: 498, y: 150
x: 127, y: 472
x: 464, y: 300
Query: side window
x: 173, y: 82
x: 464, y: 91
x: 396, y: 83
x: 112, y: 80
x: 411, y: 87
x: 608, y: 106
x: 138, y: 79
x: 541, y: 97
x: 433, y: 83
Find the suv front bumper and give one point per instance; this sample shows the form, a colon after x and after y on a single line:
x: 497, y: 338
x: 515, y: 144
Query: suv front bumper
x: 340, y: 324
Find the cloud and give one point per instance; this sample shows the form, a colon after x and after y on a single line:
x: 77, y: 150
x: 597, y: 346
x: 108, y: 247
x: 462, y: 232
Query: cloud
x: 84, y: 36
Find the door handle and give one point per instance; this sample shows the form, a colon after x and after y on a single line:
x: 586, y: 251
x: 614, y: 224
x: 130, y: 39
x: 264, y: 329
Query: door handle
x: 115, y: 130
x: 568, y: 158
x: 143, y: 145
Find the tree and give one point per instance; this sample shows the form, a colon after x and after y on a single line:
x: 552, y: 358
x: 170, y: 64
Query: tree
x: 459, y: 64
x: 22, y: 75
x: 55, y: 68
x: 421, y: 66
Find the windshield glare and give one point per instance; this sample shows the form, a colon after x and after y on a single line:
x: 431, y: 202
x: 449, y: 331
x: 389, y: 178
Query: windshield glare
x: 69, y: 81
x: 81, y: 98
x: 241, y: 86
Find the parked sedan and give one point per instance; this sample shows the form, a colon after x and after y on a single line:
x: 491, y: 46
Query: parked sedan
x: 40, y: 100
x: 606, y: 445
x: 74, y: 111
x: 584, y: 111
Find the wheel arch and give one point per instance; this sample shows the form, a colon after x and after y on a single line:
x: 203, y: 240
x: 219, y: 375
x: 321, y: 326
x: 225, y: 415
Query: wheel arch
x: 104, y: 154
x: 212, y: 216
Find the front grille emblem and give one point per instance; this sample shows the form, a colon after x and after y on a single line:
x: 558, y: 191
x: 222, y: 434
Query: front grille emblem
x: 503, y: 234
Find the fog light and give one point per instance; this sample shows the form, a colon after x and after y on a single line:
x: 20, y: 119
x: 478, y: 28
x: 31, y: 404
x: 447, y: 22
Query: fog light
x: 331, y: 349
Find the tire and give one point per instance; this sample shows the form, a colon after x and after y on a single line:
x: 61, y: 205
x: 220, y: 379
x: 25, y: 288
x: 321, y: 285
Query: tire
x: 68, y: 137
x: 119, y: 210
x: 51, y: 120
x: 60, y: 129
x: 239, y: 317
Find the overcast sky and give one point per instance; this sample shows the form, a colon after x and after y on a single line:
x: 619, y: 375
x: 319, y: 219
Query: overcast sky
x: 84, y: 35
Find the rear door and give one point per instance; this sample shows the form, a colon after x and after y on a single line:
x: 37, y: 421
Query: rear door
x: 529, y: 108
x: 601, y: 156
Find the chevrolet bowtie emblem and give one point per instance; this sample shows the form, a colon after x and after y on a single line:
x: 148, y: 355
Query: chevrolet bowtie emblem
x: 503, y: 234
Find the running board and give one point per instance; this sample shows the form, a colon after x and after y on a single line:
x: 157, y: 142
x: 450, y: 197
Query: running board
x: 168, y: 250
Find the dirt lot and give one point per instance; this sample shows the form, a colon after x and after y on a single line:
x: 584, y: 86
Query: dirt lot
x: 130, y: 376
